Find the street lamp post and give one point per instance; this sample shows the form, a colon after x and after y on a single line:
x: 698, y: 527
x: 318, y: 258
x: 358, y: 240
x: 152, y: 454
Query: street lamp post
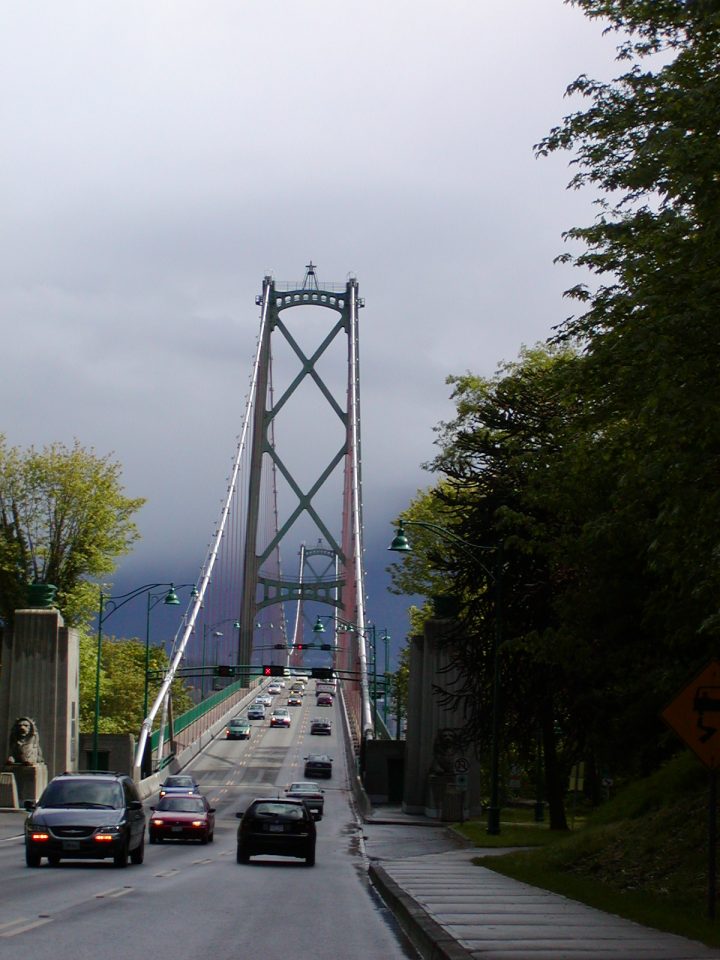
x: 344, y: 627
x: 169, y: 599
x: 386, y: 640
x: 400, y: 544
x: 107, y: 607
x: 210, y: 628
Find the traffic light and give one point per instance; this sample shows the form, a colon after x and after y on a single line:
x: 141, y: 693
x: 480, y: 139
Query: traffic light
x: 300, y: 646
x: 273, y: 670
x: 326, y: 646
x: 224, y: 670
x: 322, y: 673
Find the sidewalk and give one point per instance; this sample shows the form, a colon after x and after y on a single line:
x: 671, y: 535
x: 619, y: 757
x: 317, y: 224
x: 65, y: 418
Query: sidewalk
x: 451, y: 909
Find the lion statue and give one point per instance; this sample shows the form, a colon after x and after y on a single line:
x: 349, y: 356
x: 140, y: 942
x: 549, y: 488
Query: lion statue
x: 25, y: 742
x: 444, y: 752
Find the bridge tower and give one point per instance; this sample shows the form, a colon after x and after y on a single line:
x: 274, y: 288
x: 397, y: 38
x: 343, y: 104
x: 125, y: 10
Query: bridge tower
x: 338, y: 525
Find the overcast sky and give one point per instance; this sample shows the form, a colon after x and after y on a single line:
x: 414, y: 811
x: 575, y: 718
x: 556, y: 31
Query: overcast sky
x: 159, y: 158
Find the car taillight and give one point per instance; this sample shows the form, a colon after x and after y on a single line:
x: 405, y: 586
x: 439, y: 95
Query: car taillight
x: 104, y: 837
x: 39, y: 836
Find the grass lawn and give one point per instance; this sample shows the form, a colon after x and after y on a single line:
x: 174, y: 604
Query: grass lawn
x: 642, y: 856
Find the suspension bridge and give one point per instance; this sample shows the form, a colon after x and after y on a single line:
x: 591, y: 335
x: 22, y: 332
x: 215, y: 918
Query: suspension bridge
x: 286, y: 552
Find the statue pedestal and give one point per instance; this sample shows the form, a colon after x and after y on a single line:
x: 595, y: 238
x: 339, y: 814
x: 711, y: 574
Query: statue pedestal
x: 30, y: 780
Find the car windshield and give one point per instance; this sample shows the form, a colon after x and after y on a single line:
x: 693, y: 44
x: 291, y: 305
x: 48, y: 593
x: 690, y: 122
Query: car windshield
x: 181, y: 805
x: 303, y: 788
x: 83, y: 793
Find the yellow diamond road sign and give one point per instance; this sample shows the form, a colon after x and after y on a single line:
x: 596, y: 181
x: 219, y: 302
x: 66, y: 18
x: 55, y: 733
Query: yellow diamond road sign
x: 694, y: 715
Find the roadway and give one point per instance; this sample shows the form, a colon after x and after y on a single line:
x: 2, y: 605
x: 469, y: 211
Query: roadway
x: 189, y: 900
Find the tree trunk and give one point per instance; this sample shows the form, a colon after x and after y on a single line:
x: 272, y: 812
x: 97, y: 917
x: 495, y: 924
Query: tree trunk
x: 554, y: 780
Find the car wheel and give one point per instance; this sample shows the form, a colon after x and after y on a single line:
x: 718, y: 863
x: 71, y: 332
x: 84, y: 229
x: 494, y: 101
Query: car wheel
x: 53, y: 860
x: 32, y: 859
x: 211, y: 837
x: 152, y: 838
x: 310, y: 858
x: 204, y: 839
x: 121, y: 857
x: 242, y: 855
x: 138, y: 854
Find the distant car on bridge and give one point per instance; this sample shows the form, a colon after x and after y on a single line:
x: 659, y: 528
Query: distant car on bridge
x: 310, y: 793
x: 239, y: 728
x: 320, y: 727
x: 280, y: 717
x: 179, y: 784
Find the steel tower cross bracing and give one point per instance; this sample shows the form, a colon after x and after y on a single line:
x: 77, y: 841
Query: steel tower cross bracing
x: 342, y: 591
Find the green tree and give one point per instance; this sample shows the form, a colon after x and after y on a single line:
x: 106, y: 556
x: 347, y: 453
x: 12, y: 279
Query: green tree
x: 497, y: 557
x: 63, y: 519
x: 122, y: 684
x: 648, y: 140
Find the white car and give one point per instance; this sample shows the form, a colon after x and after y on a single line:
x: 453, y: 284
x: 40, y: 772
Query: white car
x: 280, y: 717
x: 264, y: 699
x: 273, y: 689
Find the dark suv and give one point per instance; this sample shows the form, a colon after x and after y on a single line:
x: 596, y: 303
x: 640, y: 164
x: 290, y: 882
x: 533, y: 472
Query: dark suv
x: 86, y: 816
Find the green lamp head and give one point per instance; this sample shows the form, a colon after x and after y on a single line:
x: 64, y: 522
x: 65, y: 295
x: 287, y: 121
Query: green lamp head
x: 400, y: 541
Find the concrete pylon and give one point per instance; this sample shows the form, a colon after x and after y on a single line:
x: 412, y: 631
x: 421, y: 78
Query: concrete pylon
x: 442, y: 777
x: 39, y: 679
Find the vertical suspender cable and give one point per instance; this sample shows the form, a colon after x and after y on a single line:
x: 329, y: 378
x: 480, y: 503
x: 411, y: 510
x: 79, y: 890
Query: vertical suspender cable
x: 189, y: 624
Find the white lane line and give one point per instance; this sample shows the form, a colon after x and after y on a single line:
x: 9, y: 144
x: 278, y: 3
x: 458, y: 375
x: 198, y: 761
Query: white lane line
x: 113, y: 892
x: 167, y: 873
x: 11, y: 923
x: 121, y: 893
x: 30, y: 925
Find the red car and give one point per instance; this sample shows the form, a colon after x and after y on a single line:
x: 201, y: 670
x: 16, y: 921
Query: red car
x: 324, y: 700
x: 182, y: 818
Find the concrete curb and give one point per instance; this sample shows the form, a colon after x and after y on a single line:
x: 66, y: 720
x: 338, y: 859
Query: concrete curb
x: 426, y: 935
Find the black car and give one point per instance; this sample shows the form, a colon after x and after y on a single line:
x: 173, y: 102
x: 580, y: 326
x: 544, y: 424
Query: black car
x: 320, y: 727
x: 276, y: 825
x: 318, y: 765
x: 310, y: 794
x: 86, y: 816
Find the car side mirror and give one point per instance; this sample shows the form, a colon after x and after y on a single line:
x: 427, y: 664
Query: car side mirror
x: 239, y: 814
x: 152, y: 808
x: 135, y: 805
x: 29, y: 805
x: 211, y: 809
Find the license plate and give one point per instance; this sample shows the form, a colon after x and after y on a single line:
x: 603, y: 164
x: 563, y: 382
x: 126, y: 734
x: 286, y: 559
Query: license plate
x: 71, y: 845
x: 276, y: 827
x: 176, y: 829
